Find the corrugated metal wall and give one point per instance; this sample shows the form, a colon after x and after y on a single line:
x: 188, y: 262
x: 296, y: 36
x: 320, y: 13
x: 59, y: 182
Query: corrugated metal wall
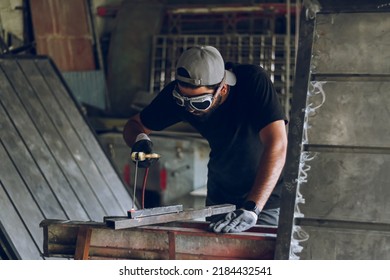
x: 52, y: 165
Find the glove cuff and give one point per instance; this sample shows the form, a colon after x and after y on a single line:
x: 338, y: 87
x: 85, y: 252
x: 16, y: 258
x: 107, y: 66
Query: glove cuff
x: 142, y: 136
x: 251, y: 206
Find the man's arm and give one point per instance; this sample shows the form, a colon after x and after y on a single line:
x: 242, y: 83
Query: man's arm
x: 133, y: 128
x: 274, y: 139
x: 272, y: 161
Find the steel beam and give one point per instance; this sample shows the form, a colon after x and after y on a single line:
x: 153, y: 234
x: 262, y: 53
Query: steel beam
x: 154, y: 211
x: 125, y: 222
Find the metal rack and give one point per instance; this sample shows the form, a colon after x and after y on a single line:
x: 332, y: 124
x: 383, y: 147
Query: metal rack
x: 268, y: 51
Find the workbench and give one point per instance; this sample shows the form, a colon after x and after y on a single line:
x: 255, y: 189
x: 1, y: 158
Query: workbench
x: 188, y: 240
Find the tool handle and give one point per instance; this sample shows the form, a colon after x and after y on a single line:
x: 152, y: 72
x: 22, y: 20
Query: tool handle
x: 140, y: 156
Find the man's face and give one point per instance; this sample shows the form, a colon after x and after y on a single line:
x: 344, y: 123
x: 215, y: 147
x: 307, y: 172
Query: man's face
x: 201, y: 101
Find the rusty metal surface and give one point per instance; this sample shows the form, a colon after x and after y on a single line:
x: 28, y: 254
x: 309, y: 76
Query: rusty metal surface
x: 179, y: 240
x: 63, y: 33
x: 124, y: 222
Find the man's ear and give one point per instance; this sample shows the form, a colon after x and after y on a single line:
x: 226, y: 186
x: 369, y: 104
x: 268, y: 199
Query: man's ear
x: 224, y: 89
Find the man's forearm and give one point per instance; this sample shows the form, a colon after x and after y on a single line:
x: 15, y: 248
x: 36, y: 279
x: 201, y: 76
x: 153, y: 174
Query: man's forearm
x: 274, y: 139
x: 132, y: 128
x: 270, y: 168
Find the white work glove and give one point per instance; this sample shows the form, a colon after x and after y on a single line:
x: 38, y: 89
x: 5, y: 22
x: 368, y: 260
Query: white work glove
x: 233, y: 222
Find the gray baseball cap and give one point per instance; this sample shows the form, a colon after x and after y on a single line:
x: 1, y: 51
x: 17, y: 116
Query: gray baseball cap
x: 205, y: 66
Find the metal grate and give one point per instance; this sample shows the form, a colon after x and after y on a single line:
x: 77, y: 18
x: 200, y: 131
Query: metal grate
x: 268, y: 51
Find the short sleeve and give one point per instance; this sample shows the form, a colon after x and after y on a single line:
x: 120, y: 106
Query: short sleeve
x: 162, y: 111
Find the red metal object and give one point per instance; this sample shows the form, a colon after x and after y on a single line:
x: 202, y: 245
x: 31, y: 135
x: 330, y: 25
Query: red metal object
x: 163, y: 179
x: 107, y: 11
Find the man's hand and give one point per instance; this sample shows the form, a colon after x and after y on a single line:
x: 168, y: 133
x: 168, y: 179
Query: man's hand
x: 236, y: 221
x: 143, y: 144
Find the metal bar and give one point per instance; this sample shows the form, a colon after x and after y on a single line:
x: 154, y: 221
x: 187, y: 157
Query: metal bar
x: 154, y: 211
x: 201, y: 226
x: 345, y: 149
x: 350, y: 77
x: 124, y: 222
x: 341, y: 224
x: 153, y: 65
x: 334, y: 6
x: 287, y: 44
x: 287, y: 209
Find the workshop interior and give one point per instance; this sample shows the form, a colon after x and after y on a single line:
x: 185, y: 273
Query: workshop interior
x: 72, y: 73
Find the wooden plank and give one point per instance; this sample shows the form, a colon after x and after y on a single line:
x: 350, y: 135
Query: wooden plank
x: 172, y: 245
x: 124, y: 222
x: 85, y: 132
x: 51, y: 108
x: 196, y: 247
x: 83, y: 243
x: 109, y: 253
x: 54, y: 142
x: 62, y: 50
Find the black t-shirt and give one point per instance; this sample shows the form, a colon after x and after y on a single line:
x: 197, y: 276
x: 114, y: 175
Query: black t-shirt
x: 232, y: 131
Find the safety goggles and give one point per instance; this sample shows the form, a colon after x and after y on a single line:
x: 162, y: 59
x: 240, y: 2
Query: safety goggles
x: 201, y: 102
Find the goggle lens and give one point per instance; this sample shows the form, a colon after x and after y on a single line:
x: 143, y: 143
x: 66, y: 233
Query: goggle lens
x: 199, y: 103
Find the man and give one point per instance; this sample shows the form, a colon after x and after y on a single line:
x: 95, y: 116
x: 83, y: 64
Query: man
x: 239, y: 114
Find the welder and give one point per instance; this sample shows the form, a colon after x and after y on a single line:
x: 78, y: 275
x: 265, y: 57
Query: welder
x: 236, y: 108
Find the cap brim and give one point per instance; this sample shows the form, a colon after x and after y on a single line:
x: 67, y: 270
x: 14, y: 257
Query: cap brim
x: 230, y: 78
